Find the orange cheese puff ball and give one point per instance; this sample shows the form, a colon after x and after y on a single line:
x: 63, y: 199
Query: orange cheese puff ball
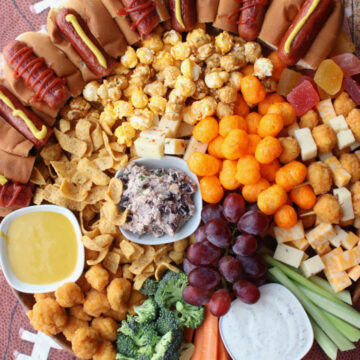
x: 290, y: 175
x: 268, y: 171
x: 206, y: 130
x: 252, y: 89
x: 304, y: 197
x: 253, y: 121
x: 227, y: 175
x: 278, y: 65
x: 248, y: 70
x: 251, y: 192
x: 268, y: 149
x: 211, y: 189
x: 285, y: 217
x: 253, y: 143
x: 248, y: 170
x: 214, y: 148
x: 269, y: 100
x: 271, y: 199
x: 231, y: 122
x: 235, y: 144
x: 240, y: 106
x: 203, y: 164
x: 270, y: 125
x: 286, y: 110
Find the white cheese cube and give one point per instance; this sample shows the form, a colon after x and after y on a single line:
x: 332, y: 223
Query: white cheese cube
x: 185, y: 130
x: 339, y: 237
x: 354, y: 146
x: 343, y: 195
x: 345, y: 138
x: 340, y: 175
x: 291, y: 129
x: 306, y: 143
x: 154, y: 133
x: 312, y: 266
x: 175, y: 146
x: 171, y: 125
x: 149, y: 148
x: 289, y: 255
x: 194, y: 145
x: 338, y: 123
x: 294, y: 233
x: 326, y: 110
x: 324, y: 156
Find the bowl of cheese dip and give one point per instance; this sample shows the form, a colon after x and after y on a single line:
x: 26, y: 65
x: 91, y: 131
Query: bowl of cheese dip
x: 41, y: 248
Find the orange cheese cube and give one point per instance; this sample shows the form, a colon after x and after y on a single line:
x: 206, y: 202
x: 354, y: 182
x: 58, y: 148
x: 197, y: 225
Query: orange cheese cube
x: 339, y: 280
x: 294, y: 233
x: 350, y: 241
x: 329, y: 259
x: 301, y: 244
x: 354, y: 273
x: 323, y: 249
x: 348, y: 259
x: 319, y: 237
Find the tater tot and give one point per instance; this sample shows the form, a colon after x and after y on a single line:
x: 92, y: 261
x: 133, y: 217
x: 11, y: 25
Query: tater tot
x: 251, y: 192
x: 309, y: 120
x: 72, y: 325
x: 271, y: 199
x: 351, y: 164
x: 69, y: 295
x: 118, y: 293
x: 85, y: 342
x: 286, y: 110
x: 290, y: 149
x: 106, y: 327
x: 328, y: 209
x: 324, y: 137
x: 320, y: 177
x: 97, y: 277
x: 106, y: 351
x: 96, y: 303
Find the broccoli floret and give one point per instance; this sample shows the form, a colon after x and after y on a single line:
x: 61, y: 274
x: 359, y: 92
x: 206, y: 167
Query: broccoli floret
x: 146, y: 335
x: 189, y: 315
x: 125, y: 345
x: 146, y: 312
x: 129, y: 326
x: 170, y: 288
x: 149, y: 287
x: 167, y: 321
x: 168, y: 348
x: 123, y: 357
x: 145, y: 352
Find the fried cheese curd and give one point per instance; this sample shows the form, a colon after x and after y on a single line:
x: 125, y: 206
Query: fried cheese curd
x: 118, y: 293
x: 106, y: 351
x: 97, y: 277
x: 48, y: 317
x: 85, y: 342
x: 72, y: 325
x: 328, y: 209
x: 319, y: 177
x: 106, y: 327
x: 69, y: 295
x: 96, y: 303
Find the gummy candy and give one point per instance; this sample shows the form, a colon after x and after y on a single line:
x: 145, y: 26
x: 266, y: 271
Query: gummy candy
x: 303, y: 98
x: 349, y: 63
x: 288, y: 81
x: 308, y: 78
x: 329, y: 76
x: 352, y: 87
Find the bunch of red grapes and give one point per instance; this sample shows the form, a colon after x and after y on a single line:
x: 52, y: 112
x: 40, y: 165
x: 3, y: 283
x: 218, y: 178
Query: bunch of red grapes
x: 224, y: 260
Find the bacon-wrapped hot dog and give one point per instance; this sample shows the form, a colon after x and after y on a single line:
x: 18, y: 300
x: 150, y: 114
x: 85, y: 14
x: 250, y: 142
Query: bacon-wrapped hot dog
x: 304, y: 29
x: 183, y: 15
x: 22, y: 119
x: 15, y: 196
x: 143, y: 15
x: 37, y: 75
x: 76, y: 31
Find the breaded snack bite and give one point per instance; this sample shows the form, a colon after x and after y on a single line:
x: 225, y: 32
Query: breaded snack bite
x: 328, y: 209
x: 85, y: 342
x: 290, y: 149
x: 106, y: 327
x: 96, y: 303
x: 118, y: 293
x: 319, y: 177
x: 351, y: 164
x: 48, y: 317
x: 325, y: 138
x: 355, y: 194
x: 343, y: 104
x: 117, y: 315
x: 353, y: 120
x: 106, y: 351
x: 72, y: 325
x: 69, y: 294
x: 309, y: 119
x: 43, y: 296
x: 83, y: 283
x: 97, y: 277
x: 78, y: 312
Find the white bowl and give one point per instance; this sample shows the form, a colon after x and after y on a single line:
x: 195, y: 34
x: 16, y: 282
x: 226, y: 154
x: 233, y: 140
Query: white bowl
x: 4, y: 261
x: 169, y: 162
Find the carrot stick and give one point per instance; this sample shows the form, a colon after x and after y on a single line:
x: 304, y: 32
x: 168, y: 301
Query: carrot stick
x: 188, y: 335
x: 223, y: 354
x: 199, y: 340
x: 209, y: 348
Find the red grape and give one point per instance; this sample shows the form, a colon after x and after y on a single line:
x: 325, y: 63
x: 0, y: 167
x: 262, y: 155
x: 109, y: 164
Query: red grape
x: 257, y: 281
x: 230, y: 268
x: 253, y: 222
x: 204, y: 278
x: 220, y: 302
x: 254, y: 266
x: 188, y: 266
x: 245, y: 245
x: 196, y: 296
x: 200, y: 234
x: 203, y: 253
x: 246, y: 291
x: 233, y: 207
x: 211, y: 211
x: 218, y: 233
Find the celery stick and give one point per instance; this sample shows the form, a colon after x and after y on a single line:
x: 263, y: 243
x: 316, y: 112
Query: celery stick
x: 351, y: 332
x: 342, y: 295
x: 344, y: 312
x: 329, y: 348
x: 317, y: 314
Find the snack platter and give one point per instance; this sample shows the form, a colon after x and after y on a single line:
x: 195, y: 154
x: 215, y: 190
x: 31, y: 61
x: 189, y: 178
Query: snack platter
x: 184, y: 178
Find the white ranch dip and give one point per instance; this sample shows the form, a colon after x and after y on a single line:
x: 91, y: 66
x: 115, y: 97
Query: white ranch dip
x: 274, y: 328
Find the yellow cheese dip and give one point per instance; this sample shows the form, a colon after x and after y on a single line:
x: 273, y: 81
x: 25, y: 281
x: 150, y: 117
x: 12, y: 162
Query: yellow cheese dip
x: 42, y: 247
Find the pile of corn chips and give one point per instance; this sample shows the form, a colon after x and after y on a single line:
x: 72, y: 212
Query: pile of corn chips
x: 77, y: 172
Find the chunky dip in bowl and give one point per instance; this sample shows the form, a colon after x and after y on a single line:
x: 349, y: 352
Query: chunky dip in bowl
x: 163, y: 200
